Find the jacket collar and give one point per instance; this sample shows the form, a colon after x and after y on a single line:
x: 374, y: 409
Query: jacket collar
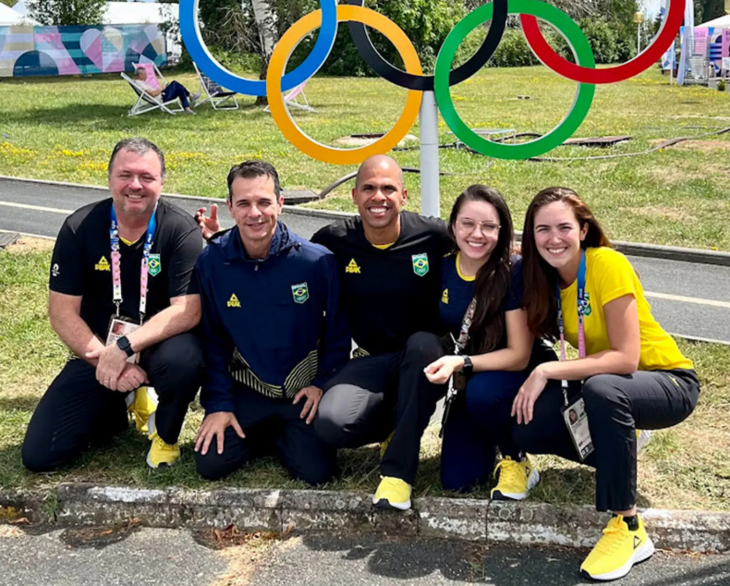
x: 233, y: 249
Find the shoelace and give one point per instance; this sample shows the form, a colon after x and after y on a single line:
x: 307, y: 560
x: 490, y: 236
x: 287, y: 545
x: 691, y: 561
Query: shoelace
x: 392, y: 484
x: 607, y: 544
x: 162, y: 445
x: 510, y: 471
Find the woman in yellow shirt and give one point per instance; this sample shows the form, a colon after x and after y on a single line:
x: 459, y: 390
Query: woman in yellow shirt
x: 579, y: 289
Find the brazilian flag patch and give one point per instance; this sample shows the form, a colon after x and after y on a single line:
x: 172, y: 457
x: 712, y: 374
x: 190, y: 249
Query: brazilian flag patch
x: 153, y: 265
x: 420, y: 264
x: 300, y: 292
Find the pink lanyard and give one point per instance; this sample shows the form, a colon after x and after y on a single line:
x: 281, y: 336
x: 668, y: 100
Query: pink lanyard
x: 117, y: 263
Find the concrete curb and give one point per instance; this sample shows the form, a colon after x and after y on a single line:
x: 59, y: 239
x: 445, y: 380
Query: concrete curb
x: 316, y: 511
x: 694, y: 255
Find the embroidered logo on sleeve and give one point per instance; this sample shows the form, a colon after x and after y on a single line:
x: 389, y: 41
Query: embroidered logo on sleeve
x: 445, y: 297
x: 55, y: 271
x: 352, y: 268
x: 233, y: 301
x: 154, y: 266
x: 420, y: 264
x: 102, y: 265
x: 300, y: 292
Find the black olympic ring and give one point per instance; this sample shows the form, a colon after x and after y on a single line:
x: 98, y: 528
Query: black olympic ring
x: 424, y: 83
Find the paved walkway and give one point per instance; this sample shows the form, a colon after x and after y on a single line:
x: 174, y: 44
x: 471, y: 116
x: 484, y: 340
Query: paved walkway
x: 166, y: 557
x: 688, y: 299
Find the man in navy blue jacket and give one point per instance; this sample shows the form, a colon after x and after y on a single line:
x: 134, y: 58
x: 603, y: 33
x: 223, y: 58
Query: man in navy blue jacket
x: 273, y: 333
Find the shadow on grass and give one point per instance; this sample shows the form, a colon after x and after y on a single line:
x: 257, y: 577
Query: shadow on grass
x: 121, y: 460
x: 114, y: 117
x: 25, y: 403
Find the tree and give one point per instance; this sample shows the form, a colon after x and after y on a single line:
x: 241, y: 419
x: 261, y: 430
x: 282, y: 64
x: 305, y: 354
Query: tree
x: 709, y: 10
x: 66, y: 12
x: 265, y: 18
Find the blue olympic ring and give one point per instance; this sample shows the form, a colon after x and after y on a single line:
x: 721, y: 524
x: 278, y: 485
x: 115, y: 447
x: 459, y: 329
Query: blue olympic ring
x: 190, y: 31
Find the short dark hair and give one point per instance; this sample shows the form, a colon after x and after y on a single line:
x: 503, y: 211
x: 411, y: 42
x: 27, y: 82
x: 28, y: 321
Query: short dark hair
x: 251, y: 169
x: 138, y: 146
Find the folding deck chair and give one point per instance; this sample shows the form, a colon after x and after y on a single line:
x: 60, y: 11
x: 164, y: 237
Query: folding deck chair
x: 292, y: 99
x: 147, y: 103
x: 210, y: 91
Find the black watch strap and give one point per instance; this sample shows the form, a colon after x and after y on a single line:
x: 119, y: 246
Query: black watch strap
x: 124, y: 345
x: 468, y: 366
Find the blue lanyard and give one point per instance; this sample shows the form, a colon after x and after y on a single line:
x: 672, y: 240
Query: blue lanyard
x: 117, y: 262
x: 581, y: 318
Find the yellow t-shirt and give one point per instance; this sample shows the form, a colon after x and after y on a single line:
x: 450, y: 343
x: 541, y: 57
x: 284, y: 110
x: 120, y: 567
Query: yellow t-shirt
x: 609, y: 275
x: 383, y: 246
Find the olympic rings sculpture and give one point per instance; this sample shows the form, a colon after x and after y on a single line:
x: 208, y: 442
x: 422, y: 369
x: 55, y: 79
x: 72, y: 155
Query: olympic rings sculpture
x: 328, y: 17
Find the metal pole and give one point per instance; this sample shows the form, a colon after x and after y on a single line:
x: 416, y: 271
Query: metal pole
x: 429, y: 140
x: 638, y: 38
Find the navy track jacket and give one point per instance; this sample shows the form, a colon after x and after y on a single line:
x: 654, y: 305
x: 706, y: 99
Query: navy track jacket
x: 272, y: 324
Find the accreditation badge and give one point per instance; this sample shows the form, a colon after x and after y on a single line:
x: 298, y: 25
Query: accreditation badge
x: 576, y: 420
x: 119, y: 327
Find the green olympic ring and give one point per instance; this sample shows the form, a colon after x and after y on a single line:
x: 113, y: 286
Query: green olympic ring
x: 533, y: 148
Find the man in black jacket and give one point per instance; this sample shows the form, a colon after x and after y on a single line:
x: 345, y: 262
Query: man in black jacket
x: 389, y: 262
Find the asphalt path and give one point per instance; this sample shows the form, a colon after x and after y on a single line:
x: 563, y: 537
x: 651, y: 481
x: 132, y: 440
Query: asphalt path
x: 688, y: 299
x: 169, y: 557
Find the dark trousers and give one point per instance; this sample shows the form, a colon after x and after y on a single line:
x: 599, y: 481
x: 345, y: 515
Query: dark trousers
x: 376, y: 395
x: 76, y: 410
x: 174, y: 90
x: 616, y: 405
x: 479, y: 421
x: 271, y: 426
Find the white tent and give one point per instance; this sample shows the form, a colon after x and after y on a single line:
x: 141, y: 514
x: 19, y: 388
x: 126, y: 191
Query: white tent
x: 722, y: 22
x: 8, y: 16
x: 140, y: 13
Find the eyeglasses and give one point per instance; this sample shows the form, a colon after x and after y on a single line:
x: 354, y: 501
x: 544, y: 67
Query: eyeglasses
x: 467, y: 225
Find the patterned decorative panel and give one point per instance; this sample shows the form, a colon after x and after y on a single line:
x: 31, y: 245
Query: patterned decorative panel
x: 74, y: 50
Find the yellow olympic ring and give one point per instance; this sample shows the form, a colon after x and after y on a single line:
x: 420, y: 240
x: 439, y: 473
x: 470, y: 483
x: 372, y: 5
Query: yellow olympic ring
x: 281, y: 115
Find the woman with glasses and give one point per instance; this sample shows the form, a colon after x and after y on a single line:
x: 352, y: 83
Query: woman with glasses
x: 579, y: 289
x: 493, y: 349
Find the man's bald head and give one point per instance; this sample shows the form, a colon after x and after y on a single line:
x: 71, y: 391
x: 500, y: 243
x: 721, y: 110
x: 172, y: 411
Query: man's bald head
x: 382, y: 163
x: 379, y: 195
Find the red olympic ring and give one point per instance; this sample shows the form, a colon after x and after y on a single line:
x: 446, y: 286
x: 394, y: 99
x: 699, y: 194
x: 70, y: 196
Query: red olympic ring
x: 638, y: 64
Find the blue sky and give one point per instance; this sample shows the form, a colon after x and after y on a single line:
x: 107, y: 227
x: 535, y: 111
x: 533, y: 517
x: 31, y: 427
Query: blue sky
x: 651, y: 7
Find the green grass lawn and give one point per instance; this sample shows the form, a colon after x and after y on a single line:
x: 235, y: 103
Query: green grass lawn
x: 682, y: 467
x: 63, y: 129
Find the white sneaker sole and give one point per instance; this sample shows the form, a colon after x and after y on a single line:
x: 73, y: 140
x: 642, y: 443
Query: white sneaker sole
x: 386, y: 504
x: 640, y: 555
x: 519, y: 496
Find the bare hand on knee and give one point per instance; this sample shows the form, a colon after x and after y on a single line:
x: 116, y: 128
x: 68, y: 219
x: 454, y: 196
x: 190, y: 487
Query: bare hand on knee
x: 314, y: 396
x: 214, y: 426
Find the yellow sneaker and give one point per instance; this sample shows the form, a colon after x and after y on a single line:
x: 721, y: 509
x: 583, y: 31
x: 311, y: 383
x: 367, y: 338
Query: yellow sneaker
x: 384, y: 445
x: 514, y: 479
x: 617, y: 551
x: 142, y: 406
x: 161, y: 454
x: 393, y: 493
x: 642, y: 438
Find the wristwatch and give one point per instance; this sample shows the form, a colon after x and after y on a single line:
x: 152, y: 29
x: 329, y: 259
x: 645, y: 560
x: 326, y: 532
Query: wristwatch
x: 123, y: 344
x: 468, y: 366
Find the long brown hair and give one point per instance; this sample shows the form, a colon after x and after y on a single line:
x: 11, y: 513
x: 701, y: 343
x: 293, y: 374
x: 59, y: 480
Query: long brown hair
x: 493, y: 279
x: 539, y: 277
